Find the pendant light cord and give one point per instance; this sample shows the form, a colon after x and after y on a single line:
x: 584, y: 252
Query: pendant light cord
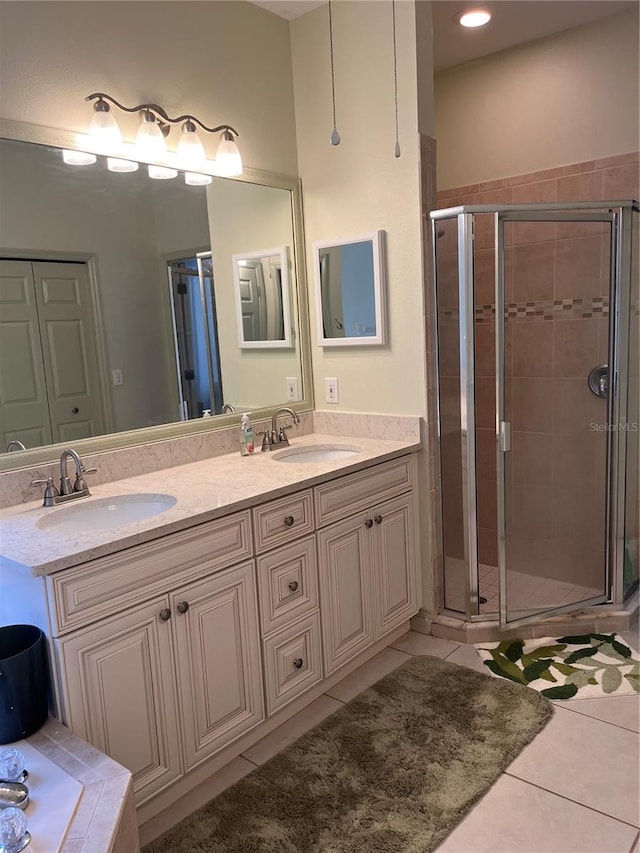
x: 335, y: 136
x: 395, y: 75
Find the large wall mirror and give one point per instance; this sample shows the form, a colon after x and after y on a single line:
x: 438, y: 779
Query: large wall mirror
x: 118, y: 301
x: 349, y: 278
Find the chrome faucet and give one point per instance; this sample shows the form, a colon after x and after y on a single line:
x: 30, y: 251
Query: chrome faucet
x: 15, y: 445
x: 279, y: 436
x: 227, y: 408
x: 66, y: 492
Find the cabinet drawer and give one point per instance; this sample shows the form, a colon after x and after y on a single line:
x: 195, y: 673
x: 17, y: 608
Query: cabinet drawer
x: 288, y: 584
x: 292, y: 661
x: 283, y: 520
x: 346, y: 496
x: 105, y: 586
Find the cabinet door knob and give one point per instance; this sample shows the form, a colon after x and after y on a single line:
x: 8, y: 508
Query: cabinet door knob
x: 288, y: 522
x: 293, y: 586
x: 183, y: 606
x: 298, y: 663
x: 378, y: 519
x: 75, y: 410
x: 368, y: 523
x: 165, y: 614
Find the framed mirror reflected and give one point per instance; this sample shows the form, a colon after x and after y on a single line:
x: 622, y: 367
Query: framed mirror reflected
x: 261, y: 280
x: 117, y: 300
x: 349, y: 287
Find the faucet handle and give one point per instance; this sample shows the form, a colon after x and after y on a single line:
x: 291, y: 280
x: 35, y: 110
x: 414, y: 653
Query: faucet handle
x: 283, y: 438
x: 80, y: 485
x: 50, y: 491
x: 266, y: 441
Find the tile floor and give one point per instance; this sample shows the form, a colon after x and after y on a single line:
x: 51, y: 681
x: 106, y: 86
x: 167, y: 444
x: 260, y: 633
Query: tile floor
x: 524, y: 591
x: 574, y: 789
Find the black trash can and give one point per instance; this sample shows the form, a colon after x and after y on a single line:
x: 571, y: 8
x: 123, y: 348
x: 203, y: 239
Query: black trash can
x: 24, y: 682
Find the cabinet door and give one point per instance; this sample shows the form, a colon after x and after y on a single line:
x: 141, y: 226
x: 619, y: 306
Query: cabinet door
x: 119, y: 693
x: 218, y: 660
x: 345, y: 590
x: 394, y: 561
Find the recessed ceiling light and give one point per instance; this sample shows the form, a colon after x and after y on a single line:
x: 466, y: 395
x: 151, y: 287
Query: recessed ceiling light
x: 474, y: 18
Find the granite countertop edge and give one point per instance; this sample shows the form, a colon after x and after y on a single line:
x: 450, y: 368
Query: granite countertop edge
x: 244, y: 481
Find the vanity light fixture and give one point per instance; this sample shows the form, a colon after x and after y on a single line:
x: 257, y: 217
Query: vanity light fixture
x: 77, y: 158
x: 472, y: 18
x: 150, y: 144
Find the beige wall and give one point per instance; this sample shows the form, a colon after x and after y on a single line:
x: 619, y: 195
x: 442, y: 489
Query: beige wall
x: 566, y: 99
x: 225, y: 62
x: 246, y: 218
x: 359, y: 187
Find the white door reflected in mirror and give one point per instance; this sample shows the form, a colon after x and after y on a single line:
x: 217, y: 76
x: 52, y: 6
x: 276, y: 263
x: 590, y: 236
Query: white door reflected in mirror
x: 349, y: 277
x: 261, y: 282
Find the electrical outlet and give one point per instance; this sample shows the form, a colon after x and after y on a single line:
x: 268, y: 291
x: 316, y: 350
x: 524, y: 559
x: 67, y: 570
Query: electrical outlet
x: 116, y: 376
x: 331, y: 390
x: 292, y: 389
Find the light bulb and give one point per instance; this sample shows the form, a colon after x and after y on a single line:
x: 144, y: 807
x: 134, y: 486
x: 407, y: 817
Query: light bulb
x: 77, y: 158
x: 228, y: 159
x: 190, y: 148
x: 103, y: 130
x: 197, y: 179
x: 149, y: 140
x: 115, y: 164
x: 474, y: 18
x: 162, y: 173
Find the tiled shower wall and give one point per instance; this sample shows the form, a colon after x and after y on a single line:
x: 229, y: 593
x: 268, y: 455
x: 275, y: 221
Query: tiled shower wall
x: 557, y: 323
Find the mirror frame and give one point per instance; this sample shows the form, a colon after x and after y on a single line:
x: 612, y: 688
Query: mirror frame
x: 18, y: 131
x: 280, y: 343
x: 377, y: 241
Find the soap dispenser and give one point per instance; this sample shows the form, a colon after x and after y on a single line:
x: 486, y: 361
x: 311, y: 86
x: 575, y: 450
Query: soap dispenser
x: 246, y: 436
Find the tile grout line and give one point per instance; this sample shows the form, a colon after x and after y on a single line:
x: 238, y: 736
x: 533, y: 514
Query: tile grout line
x: 567, y: 707
x: 569, y: 800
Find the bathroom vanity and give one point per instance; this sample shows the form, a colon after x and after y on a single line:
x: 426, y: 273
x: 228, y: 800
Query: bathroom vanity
x: 179, y: 640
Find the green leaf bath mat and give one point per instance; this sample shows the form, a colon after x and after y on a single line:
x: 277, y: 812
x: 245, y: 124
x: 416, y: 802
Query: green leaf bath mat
x: 581, y: 666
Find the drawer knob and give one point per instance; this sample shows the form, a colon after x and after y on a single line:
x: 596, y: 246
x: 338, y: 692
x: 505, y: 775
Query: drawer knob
x: 288, y: 522
x: 165, y: 614
x: 293, y: 586
x: 368, y: 523
x: 183, y: 606
x: 378, y: 519
x: 298, y: 663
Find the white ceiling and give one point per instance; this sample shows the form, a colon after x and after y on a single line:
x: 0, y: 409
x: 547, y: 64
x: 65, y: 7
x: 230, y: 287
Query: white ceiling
x: 514, y: 22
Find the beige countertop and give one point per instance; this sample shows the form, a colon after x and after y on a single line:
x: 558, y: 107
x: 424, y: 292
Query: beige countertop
x: 204, y: 490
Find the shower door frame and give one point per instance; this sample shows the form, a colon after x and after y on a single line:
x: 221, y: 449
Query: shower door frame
x: 619, y: 215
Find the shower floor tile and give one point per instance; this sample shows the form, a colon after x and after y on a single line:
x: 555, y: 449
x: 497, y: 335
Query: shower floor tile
x: 525, y: 591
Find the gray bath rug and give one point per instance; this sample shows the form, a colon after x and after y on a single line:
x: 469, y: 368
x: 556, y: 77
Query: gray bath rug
x: 392, y: 772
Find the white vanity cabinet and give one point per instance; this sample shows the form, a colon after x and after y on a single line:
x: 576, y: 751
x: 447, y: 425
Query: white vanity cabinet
x: 168, y: 682
x: 367, y: 559
x: 288, y: 595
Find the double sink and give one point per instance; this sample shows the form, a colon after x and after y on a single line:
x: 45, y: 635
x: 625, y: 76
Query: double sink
x: 118, y: 510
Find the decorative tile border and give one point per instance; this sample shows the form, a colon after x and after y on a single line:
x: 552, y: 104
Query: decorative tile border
x: 548, y: 309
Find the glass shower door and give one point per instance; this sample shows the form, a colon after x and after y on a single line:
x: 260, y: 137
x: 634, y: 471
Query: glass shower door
x: 554, y: 288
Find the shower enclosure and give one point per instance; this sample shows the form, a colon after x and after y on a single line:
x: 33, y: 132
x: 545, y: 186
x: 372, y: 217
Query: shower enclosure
x: 537, y: 336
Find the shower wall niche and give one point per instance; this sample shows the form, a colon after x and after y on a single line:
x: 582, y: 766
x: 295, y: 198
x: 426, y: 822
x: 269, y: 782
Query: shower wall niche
x: 539, y: 474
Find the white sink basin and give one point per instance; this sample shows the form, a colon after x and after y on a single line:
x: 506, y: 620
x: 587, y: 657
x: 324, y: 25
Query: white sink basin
x: 105, y: 513
x: 319, y: 453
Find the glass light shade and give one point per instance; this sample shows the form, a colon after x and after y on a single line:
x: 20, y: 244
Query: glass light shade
x: 196, y: 179
x: 104, y: 132
x: 77, y: 158
x: 228, y: 159
x: 475, y: 18
x: 162, y: 173
x: 190, y: 149
x: 115, y: 164
x: 149, y: 139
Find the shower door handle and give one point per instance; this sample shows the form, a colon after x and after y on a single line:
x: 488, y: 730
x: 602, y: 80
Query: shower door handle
x: 504, y: 437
